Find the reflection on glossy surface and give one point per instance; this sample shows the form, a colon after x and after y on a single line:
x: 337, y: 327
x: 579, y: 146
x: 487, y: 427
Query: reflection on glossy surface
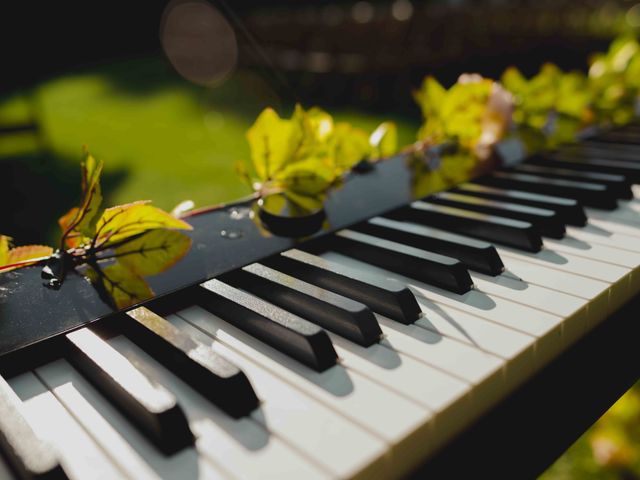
x: 285, y: 217
x: 119, y: 277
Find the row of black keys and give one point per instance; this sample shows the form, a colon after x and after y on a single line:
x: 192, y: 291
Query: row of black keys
x: 278, y: 301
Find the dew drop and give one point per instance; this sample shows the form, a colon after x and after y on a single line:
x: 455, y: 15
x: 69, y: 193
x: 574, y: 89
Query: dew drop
x: 231, y: 234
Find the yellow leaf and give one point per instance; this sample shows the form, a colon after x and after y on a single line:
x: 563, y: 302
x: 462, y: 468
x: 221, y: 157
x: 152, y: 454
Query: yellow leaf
x: 154, y: 252
x: 29, y: 252
x: 273, y: 142
x: 123, y: 221
x: 119, y: 286
x: 430, y: 96
x: 4, y: 249
x: 349, y: 146
x: 307, y: 177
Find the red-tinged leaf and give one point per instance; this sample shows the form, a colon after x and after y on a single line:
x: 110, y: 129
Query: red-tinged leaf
x: 73, y: 238
x: 29, y: 252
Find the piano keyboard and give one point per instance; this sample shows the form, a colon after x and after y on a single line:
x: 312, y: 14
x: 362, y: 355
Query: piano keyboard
x: 357, y: 355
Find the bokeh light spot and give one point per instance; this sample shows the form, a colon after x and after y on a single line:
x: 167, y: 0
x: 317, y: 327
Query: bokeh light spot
x: 199, y: 42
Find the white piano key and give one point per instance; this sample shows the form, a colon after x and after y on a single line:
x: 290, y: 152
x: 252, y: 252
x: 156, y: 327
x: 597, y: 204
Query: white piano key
x: 573, y: 285
x: 482, y: 370
x: 603, y: 253
x: 299, y: 419
x: 516, y: 348
x: 547, y: 328
x: 80, y: 456
x: 404, y: 427
x: 624, y: 215
x: 481, y: 334
x: 617, y: 278
x: 601, y: 236
x: 617, y: 227
x: 242, y: 447
x: 124, y: 444
x: 567, y: 262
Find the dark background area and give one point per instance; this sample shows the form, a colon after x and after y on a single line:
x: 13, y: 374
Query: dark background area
x: 325, y: 53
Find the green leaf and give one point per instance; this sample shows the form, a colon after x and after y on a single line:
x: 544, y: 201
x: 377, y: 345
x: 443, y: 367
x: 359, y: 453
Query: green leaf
x: 307, y: 177
x: 121, y: 287
x: 273, y: 142
x: 124, y: 221
x: 349, y: 146
x: 154, y: 252
x: 82, y: 220
x: 430, y: 96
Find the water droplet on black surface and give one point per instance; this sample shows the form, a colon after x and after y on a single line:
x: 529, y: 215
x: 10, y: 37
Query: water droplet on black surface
x: 231, y: 234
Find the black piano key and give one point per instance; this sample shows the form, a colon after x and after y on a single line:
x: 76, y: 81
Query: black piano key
x: 213, y: 376
x: 348, y: 318
x: 475, y: 254
x: 284, y: 331
x: 548, y: 223
x: 30, y: 457
x: 620, y: 137
x: 506, y: 231
x: 588, y: 193
x: 618, y: 183
x: 388, y: 298
x: 438, y: 270
x: 631, y: 170
x: 568, y: 209
x: 598, y: 150
x: 151, y: 406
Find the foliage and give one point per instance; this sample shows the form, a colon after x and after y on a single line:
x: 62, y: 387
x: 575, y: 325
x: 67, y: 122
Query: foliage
x: 306, y: 154
x: 115, y: 247
x: 614, y: 80
x: 553, y: 103
x: 14, y: 257
x: 474, y: 113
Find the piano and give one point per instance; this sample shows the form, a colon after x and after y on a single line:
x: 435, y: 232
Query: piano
x: 475, y: 331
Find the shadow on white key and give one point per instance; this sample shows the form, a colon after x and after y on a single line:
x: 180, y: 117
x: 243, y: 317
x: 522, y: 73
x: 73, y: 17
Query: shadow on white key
x: 5, y: 471
x: 242, y: 447
x: 400, y: 423
x: 545, y: 327
x: 131, y: 450
x: 315, y: 429
x: 80, y: 456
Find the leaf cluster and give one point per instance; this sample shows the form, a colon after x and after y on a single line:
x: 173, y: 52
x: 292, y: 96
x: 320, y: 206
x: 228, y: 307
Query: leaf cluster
x: 548, y: 94
x: 475, y: 112
x: 614, y: 80
x: 303, y: 156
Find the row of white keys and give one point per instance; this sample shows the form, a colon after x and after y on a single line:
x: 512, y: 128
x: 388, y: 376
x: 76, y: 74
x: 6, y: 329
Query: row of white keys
x: 122, y: 442
x: 378, y: 394
x: 80, y: 456
x: 242, y: 447
x: 544, y: 327
x: 301, y: 420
